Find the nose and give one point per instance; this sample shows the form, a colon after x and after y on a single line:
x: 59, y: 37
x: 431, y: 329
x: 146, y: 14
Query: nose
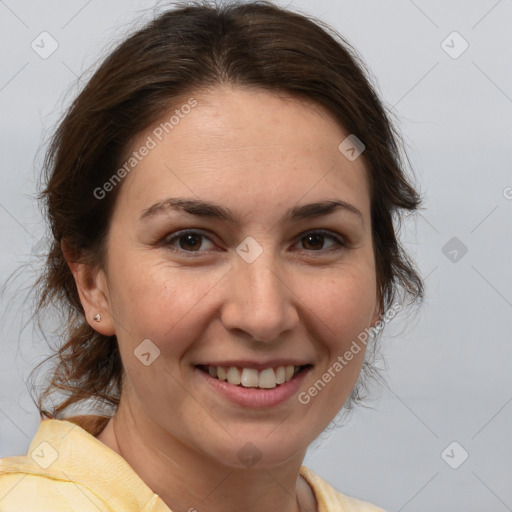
x: 259, y: 300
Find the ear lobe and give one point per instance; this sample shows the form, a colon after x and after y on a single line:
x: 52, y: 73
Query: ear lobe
x: 377, y: 312
x: 375, y: 317
x: 92, y: 289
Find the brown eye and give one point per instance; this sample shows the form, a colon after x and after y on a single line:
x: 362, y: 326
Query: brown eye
x: 189, y: 241
x: 315, y: 240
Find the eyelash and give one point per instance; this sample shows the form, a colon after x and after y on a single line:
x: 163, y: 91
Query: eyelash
x: 168, y: 241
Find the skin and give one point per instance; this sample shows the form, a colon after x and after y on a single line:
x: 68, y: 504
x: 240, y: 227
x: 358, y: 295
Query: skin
x: 258, y: 154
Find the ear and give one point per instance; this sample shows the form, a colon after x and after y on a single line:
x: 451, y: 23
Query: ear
x: 92, y: 286
x: 377, y: 312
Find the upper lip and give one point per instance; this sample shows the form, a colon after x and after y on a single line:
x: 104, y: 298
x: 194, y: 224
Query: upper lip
x: 246, y: 363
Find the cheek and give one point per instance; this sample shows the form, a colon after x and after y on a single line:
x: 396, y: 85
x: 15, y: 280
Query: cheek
x: 345, y: 304
x: 343, y: 307
x: 167, y: 306
x: 160, y: 302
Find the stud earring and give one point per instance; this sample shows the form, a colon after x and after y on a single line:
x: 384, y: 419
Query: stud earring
x: 97, y: 317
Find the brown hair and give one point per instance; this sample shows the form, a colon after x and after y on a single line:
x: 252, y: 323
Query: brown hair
x: 183, y: 50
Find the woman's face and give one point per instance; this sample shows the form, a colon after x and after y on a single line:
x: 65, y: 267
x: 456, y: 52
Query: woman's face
x: 222, y: 253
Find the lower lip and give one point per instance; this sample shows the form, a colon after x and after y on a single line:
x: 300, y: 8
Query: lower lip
x: 256, y: 397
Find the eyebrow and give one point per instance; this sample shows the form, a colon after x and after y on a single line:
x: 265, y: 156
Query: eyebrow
x: 204, y: 209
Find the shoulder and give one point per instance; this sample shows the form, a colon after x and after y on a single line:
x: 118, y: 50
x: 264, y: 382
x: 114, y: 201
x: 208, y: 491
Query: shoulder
x: 330, y: 500
x: 42, y: 480
x: 25, y: 489
x: 67, y: 469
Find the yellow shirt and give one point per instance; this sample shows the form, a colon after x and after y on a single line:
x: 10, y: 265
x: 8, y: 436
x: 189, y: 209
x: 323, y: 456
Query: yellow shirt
x: 68, y: 470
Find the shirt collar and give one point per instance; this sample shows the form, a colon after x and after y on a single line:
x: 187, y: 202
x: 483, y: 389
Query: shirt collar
x: 62, y: 450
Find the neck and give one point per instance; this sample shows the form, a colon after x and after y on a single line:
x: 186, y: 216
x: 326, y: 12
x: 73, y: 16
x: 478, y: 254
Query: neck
x: 187, y: 480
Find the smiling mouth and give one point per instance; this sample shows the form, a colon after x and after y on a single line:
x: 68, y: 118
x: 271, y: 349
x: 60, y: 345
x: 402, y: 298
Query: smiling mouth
x: 267, y: 378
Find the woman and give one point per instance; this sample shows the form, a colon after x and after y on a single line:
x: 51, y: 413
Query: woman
x: 221, y: 196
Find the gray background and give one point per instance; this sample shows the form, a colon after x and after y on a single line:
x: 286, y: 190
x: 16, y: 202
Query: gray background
x: 449, y: 377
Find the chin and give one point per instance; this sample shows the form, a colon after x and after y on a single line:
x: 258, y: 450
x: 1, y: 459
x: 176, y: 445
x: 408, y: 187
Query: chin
x: 260, y: 450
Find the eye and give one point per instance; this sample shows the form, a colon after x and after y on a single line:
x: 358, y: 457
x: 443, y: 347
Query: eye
x: 189, y: 241
x: 194, y: 241
x: 313, y: 241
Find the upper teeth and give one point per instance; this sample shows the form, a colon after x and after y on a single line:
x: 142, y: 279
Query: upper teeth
x: 252, y: 378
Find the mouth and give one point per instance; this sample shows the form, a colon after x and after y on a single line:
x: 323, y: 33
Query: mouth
x: 246, y: 377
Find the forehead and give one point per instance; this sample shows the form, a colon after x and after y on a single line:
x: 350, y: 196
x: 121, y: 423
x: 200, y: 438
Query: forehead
x: 244, y: 145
